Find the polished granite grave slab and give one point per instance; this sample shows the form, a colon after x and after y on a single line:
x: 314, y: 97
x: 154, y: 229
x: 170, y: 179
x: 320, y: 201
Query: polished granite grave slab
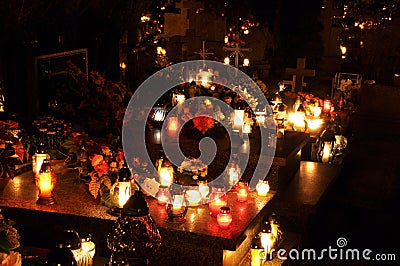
x: 198, y: 241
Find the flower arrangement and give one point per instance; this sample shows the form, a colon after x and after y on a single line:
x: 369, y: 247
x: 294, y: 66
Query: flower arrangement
x: 9, y: 240
x: 99, y: 103
x: 12, y: 150
x: 194, y: 167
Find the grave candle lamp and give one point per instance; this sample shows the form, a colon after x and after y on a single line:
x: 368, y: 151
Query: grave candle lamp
x: 203, y: 188
x: 218, y: 199
x: 45, y: 182
x: 156, y: 136
x: 163, y: 196
x: 120, y: 191
x: 317, y: 109
x: 135, y: 230
x: 242, y: 191
x: 238, y: 119
x: 159, y: 113
x: 172, y: 126
x: 193, y: 195
x: 327, y: 106
x: 233, y: 172
x: 262, y: 188
x: 267, y: 239
x: 38, y: 158
x: 177, y: 207
x: 224, y: 217
x: 256, y: 251
x: 166, y: 173
x: 88, y: 245
x: 261, y: 114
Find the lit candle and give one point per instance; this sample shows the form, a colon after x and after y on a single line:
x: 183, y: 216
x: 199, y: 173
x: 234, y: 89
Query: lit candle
x: 216, y: 204
x: 246, y: 128
x: 233, y: 174
x: 203, y: 188
x: 327, y: 151
x: 45, y: 181
x: 162, y: 195
x: 243, y: 191
x: 173, y: 126
x: 124, y: 193
x: 166, y: 174
x: 177, y: 204
x: 193, y: 195
x: 45, y: 184
x: 224, y: 217
x: 238, y: 119
x: 266, y: 238
x: 256, y: 251
x: 262, y: 188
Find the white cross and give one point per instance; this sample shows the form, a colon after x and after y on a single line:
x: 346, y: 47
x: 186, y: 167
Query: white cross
x: 300, y: 72
x: 236, y: 51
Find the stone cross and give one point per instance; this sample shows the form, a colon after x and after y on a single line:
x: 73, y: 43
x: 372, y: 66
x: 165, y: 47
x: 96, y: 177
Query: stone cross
x: 203, y: 52
x: 236, y: 51
x: 292, y: 83
x: 299, y: 73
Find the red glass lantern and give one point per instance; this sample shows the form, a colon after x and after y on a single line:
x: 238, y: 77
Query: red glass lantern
x: 224, y: 217
x: 218, y: 199
x: 327, y: 106
x: 242, y: 191
x: 163, y: 196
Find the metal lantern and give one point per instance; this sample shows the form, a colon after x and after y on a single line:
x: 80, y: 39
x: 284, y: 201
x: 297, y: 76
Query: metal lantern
x: 45, y: 182
x: 121, y: 190
x: 135, y: 231
x: 70, y: 239
x: 60, y: 255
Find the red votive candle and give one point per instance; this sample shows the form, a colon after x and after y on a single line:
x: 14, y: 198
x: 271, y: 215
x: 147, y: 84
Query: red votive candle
x: 224, y: 217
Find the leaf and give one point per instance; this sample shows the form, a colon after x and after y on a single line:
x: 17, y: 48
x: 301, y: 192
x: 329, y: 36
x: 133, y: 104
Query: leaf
x: 94, y: 188
x: 20, y: 152
x: 5, y: 245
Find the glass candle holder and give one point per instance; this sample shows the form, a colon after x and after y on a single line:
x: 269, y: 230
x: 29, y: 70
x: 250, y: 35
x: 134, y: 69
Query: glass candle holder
x: 163, y: 196
x: 203, y: 188
x: 218, y: 199
x: 45, y: 182
x: 262, y: 188
x: 256, y: 252
x: 267, y: 239
x: 224, y: 217
x: 177, y: 208
x: 193, y: 195
x: 242, y: 191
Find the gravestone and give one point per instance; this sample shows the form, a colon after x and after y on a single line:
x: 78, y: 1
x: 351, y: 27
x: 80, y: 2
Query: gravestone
x: 300, y: 72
